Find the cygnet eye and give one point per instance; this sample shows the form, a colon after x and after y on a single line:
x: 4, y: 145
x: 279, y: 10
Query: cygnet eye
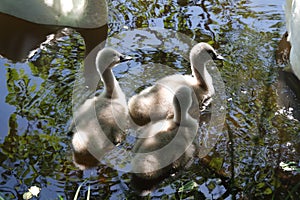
x: 115, y: 57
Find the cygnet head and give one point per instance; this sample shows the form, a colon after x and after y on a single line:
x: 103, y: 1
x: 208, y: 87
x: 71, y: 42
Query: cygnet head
x: 203, y: 52
x: 107, y: 58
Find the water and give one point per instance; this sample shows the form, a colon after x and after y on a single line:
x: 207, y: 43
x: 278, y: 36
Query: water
x: 260, y: 130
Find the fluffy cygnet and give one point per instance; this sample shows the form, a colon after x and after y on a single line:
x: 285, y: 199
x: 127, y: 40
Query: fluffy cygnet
x: 100, y: 122
x: 155, y: 103
x: 165, y: 146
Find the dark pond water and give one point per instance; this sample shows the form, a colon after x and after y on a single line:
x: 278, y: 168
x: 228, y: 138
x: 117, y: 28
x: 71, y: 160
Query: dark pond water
x: 259, y: 108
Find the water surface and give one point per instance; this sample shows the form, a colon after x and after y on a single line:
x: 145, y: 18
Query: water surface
x: 259, y: 132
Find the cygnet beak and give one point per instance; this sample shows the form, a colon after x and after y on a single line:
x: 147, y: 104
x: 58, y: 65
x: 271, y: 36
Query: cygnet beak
x: 124, y: 58
x: 219, y: 57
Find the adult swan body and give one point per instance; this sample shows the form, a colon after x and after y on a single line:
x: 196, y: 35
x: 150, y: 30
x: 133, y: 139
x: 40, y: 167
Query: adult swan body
x: 26, y: 24
x: 292, y: 13
x: 72, y: 13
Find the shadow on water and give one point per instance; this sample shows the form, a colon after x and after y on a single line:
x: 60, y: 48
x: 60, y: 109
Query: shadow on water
x: 288, y: 83
x: 260, y: 133
x: 19, y: 38
x: 289, y: 93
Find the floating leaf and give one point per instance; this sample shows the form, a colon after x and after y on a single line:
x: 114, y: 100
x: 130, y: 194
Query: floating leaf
x: 34, y: 190
x: 260, y: 185
x: 60, y: 197
x: 290, y: 166
x: 27, y: 195
x: 216, y: 163
x: 1, y: 198
x: 268, y: 191
x: 188, y: 186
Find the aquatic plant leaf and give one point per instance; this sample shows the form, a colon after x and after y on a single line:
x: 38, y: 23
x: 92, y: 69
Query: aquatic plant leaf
x: 188, y: 186
x: 34, y: 190
x: 27, y: 195
x: 290, y: 166
x: 88, y: 193
x: 78, y: 190
x: 216, y: 163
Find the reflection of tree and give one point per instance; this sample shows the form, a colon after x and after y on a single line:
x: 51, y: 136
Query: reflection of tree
x: 257, y: 141
x: 36, y: 146
x: 246, y: 37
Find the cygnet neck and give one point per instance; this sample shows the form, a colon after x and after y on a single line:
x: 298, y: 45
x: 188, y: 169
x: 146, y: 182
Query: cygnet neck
x: 181, y: 106
x: 200, y: 72
x: 111, y: 85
